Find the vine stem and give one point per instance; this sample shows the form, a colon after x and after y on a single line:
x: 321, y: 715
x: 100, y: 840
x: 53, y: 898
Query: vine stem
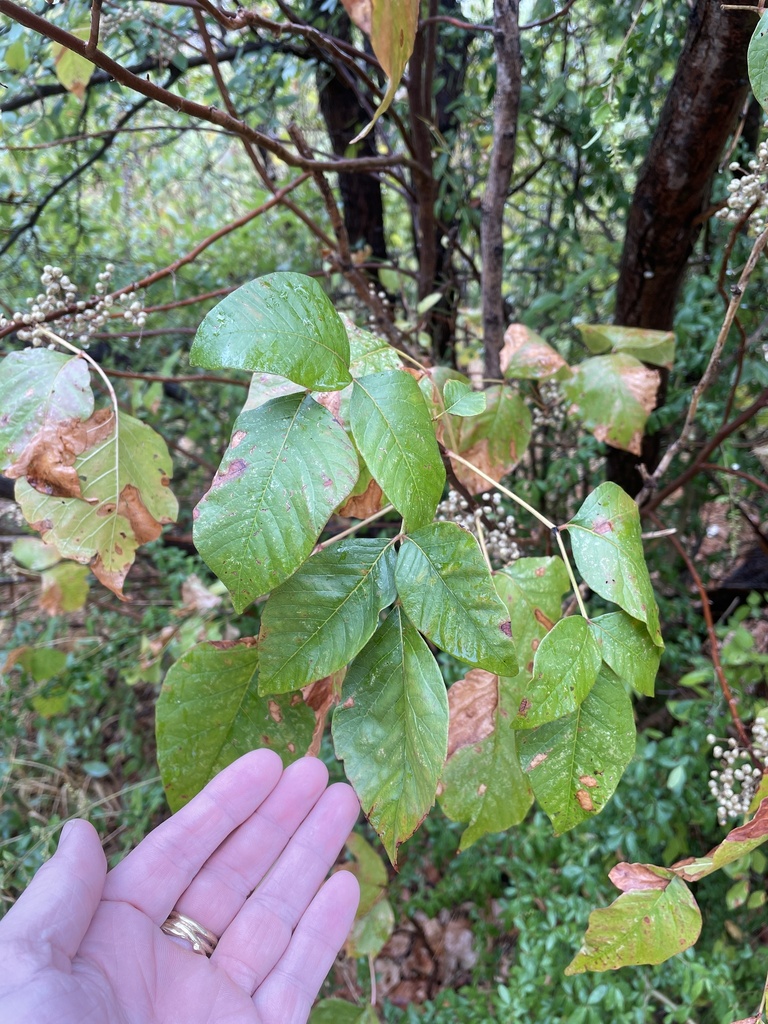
x: 481, y: 539
x: 552, y: 527
x: 89, y: 359
x: 353, y: 529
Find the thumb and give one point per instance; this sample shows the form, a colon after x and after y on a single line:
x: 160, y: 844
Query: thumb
x: 58, y: 905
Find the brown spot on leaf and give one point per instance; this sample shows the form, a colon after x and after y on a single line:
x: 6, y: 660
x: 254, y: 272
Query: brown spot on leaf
x: 540, y: 758
x: 542, y: 619
x: 235, y: 469
x: 321, y: 697
x: 472, y: 704
x: 635, y: 877
x: 588, y: 781
x: 275, y: 712
x: 349, y: 702
x: 540, y: 571
x: 585, y: 800
x: 237, y: 437
x: 526, y: 351
x: 481, y: 789
x: 360, y: 506
x: 602, y: 525
x: 525, y: 707
x: 506, y: 628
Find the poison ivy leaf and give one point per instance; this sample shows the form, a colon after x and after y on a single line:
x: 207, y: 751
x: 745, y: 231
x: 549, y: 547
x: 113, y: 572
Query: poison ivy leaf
x: 64, y: 588
x: 283, y: 324
x: 565, y: 668
x: 656, y: 347
x: 370, y: 871
x: 447, y: 592
x: 574, y: 763
x: 32, y: 554
x: 626, y: 647
x: 461, y: 400
x: 605, y: 537
x: 72, y: 70
x: 108, y: 492
x: 39, y: 389
x: 366, y: 497
x: 371, y: 931
x: 394, y: 434
x: 339, y: 1011
x: 483, y: 783
x: 266, y: 386
x: 757, y: 61
x: 288, y: 465
x: 527, y: 356
x: 738, y: 843
x: 209, y: 713
x: 643, y: 926
x: 322, y: 696
x: 532, y: 589
x: 324, y: 614
x: 613, y: 397
x: 391, y: 730
x: 392, y: 26
x: 494, y: 441
x: 367, y: 353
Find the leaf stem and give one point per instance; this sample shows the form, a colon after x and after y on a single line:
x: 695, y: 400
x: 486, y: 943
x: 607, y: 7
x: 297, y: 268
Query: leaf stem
x: 569, y: 570
x: 83, y: 355
x: 509, y: 494
x: 353, y: 529
x: 481, y: 538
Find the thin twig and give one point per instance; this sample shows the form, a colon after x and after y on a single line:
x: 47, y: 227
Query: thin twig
x: 481, y: 538
x: 571, y: 575
x: 551, y: 18
x: 353, y: 529
x: 505, y: 491
x: 93, y: 39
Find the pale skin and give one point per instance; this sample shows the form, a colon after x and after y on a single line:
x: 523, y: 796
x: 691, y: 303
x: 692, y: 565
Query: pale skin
x: 247, y: 858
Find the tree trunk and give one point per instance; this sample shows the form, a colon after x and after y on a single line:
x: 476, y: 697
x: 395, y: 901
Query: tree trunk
x: 673, y: 188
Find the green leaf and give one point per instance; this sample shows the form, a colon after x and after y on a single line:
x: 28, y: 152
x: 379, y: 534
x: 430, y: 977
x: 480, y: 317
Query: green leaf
x: 39, y: 389
x: 392, y: 28
x: 757, y: 61
x: 370, y: 871
x: 495, y: 440
x: 643, y: 926
x: 461, y: 400
x: 121, y: 473
x: 32, y: 554
x: 656, y: 347
x: 394, y: 434
x: 371, y: 931
x: 283, y: 324
x: 448, y: 593
x: 42, y: 663
x: 367, y: 353
x: 64, y: 588
x: 613, y: 397
x: 483, y: 783
x: 321, y: 617
x: 209, y: 713
x: 532, y: 589
x: 607, y: 547
x: 574, y: 763
x: 73, y: 71
x: 287, y: 467
x: 626, y: 647
x: 266, y: 386
x: 391, y: 730
x: 527, y: 356
x: 738, y: 843
x: 339, y: 1011
x: 565, y: 668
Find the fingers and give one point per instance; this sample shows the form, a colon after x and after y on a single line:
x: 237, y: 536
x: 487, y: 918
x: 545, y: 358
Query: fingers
x: 231, y: 874
x: 287, y: 993
x: 58, y: 905
x: 161, y: 867
x: 259, y: 935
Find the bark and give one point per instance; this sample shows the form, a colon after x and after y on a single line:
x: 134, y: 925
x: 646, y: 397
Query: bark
x: 506, y: 107
x: 704, y: 100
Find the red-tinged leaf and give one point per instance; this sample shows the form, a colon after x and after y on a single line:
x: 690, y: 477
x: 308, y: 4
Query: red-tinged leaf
x: 656, y: 347
x: 634, y: 877
x: 527, y: 356
x: 494, y: 441
x: 738, y: 843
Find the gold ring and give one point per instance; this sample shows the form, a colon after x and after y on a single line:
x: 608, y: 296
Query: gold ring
x: 201, y: 939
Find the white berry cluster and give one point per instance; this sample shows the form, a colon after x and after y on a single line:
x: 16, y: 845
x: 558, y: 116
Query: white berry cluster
x: 747, y: 189
x: 552, y: 414
x: 88, y: 315
x: 498, y: 539
x: 735, y: 784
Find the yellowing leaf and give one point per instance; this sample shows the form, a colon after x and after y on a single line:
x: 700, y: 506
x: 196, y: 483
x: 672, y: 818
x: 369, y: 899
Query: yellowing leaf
x: 73, y: 71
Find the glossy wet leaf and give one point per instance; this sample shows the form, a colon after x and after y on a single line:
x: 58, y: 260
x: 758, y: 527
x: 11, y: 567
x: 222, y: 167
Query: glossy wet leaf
x: 282, y: 324
x: 532, y: 589
x: 287, y: 467
x: 448, y: 593
x: 324, y: 614
x: 209, y: 713
x: 393, y: 431
x: 613, y: 396
x: 483, y: 783
x: 39, y: 388
x: 494, y: 441
x: 655, y: 347
x: 607, y: 547
x: 527, y: 356
x: 757, y: 61
x: 628, y: 649
x: 119, y: 494
x: 367, y: 352
x: 461, y: 400
x: 645, y: 926
x: 565, y: 668
x: 574, y: 763
x: 391, y: 729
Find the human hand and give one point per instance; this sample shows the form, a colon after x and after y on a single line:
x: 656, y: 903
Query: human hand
x: 81, y: 946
